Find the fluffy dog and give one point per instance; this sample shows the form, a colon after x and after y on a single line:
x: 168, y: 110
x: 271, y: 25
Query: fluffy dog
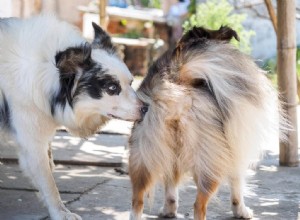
x: 51, y: 76
x: 210, y: 111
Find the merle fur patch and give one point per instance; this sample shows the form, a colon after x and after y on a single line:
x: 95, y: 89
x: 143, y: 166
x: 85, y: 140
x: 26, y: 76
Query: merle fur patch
x: 96, y: 83
x: 69, y: 60
x: 80, y: 74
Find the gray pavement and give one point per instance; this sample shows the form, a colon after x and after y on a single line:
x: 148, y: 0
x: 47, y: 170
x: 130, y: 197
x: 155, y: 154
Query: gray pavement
x: 99, y: 192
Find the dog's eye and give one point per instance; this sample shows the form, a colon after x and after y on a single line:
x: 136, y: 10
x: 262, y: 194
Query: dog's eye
x: 112, y: 87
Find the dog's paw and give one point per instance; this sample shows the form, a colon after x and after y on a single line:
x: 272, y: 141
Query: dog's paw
x: 164, y: 213
x: 62, y: 213
x: 70, y: 216
x: 242, y: 212
x: 135, y: 216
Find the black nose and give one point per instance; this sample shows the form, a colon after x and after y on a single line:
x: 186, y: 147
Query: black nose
x: 144, y: 110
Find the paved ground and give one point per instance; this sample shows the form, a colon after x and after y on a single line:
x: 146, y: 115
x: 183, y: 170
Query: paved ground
x: 96, y: 192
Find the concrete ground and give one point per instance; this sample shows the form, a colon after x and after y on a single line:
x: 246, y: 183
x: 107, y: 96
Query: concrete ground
x: 95, y: 190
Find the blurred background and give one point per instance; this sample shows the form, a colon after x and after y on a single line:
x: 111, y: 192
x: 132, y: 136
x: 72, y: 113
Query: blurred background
x: 144, y: 29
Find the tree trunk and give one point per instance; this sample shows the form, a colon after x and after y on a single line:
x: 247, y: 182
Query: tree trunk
x: 287, y: 78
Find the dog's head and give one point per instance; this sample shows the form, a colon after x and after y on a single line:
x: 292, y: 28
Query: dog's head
x: 94, y: 81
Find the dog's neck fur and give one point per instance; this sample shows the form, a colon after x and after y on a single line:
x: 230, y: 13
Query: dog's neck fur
x: 78, y: 125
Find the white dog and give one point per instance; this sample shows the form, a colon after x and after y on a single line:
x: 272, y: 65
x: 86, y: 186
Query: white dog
x: 51, y: 76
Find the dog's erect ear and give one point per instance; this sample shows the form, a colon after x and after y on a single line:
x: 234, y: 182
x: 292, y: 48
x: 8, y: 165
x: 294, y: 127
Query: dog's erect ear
x: 197, y: 36
x: 101, y: 39
x: 224, y: 34
x: 69, y: 60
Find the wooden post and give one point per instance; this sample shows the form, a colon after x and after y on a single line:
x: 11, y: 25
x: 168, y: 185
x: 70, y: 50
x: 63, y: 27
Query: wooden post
x: 272, y: 14
x: 287, y: 81
x: 274, y: 22
x: 102, y: 13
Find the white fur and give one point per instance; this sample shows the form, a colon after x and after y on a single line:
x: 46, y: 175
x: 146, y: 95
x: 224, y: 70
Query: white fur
x: 187, y: 130
x: 28, y: 79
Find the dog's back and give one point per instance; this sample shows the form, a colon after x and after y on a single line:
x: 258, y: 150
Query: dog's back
x: 211, y: 110
x: 27, y: 61
x: 37, y: 37
x: 209, y: 101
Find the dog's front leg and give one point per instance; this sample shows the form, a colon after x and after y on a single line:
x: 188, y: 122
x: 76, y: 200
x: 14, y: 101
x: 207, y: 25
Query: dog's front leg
x: 34, y: 161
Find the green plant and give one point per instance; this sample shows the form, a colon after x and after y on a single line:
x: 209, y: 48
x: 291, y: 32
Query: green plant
x: 192, y: 7
x: 151, y: 3
x: 215, y: 13
x: 132, y: 34
x: 270, y: 66
x: 298, y: 61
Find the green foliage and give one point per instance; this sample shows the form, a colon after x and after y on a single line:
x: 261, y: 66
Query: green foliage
x: 270, y: 66
x: 192, y: 7
x: 151, y: 3
x: 298, y: 61
x: 215, y: 13
x: 132, y: 34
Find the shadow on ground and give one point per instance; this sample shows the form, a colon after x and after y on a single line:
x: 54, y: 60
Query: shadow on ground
x: 94, y: 192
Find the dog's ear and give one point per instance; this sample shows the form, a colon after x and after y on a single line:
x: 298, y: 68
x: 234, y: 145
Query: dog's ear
x: 69, y: 60
x: 224, y: 34
x: 197, y: 37
x: 101, y: 39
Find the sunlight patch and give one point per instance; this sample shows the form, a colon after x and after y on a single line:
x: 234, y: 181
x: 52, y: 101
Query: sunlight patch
x: 269, y: 213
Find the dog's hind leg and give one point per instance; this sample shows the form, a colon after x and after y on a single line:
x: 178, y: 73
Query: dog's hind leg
x: 203, y: 196
x: 141, y: 181
x: 50, y: 155
x: 238, y: 206
x: 169, y: 210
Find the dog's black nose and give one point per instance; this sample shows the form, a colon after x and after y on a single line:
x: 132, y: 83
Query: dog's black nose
x: 144, y: 109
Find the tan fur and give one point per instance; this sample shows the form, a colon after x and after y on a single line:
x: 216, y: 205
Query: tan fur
x: 201, y: 202
x: 211, y: 110
x: 88, y: 125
